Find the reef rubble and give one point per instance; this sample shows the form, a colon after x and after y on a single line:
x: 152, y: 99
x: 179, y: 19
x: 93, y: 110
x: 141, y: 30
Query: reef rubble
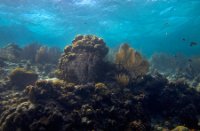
x: 92, y: 93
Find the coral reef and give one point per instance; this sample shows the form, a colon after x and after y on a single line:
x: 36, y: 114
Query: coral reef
x: 177, y: 67
x: 76, y: 108
x: 29, y: 51
x: 44, y: 71
x: 171, y: 100
x: 20, y: 78
x: 132, y: 61
x: 100, y: 107
x: 29, y: 57
x: 47, y: 55
x: 10, y: 98
x: 193, y: 67
x: 83, y: 61
x: 10, y: 52
x: 37, y: 53
x: 2, y: 63
x: 54, y: 54
x: 168, y: 63
x: 94, y: 94
x: 42, y: 55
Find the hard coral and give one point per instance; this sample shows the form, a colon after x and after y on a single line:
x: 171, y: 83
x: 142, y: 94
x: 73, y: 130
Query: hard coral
x: 83, y: 61
x: 20, y: 78
x: 132, y: 61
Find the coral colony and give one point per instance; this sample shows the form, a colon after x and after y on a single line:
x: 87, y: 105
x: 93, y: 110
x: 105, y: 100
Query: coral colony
x: 80, y: 89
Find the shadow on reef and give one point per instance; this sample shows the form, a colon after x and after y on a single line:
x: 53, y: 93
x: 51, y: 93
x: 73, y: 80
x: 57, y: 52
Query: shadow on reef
x: 94, y: 94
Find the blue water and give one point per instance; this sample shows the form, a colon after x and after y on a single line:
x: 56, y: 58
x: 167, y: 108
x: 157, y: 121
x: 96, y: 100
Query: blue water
x: 149, y: 25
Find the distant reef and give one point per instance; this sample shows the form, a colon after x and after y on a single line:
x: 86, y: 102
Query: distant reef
x: 82, y: 90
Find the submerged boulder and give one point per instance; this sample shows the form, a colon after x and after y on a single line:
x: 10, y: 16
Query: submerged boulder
x: 83, y: 61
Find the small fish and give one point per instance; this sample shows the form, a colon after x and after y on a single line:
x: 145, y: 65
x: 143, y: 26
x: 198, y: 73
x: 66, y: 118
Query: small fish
x: 183, y: 39
x: 193, y: 44
x: 166, y: 24
x: 190, y: 60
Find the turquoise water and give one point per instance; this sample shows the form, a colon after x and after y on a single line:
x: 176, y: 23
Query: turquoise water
x: 149, y: 25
